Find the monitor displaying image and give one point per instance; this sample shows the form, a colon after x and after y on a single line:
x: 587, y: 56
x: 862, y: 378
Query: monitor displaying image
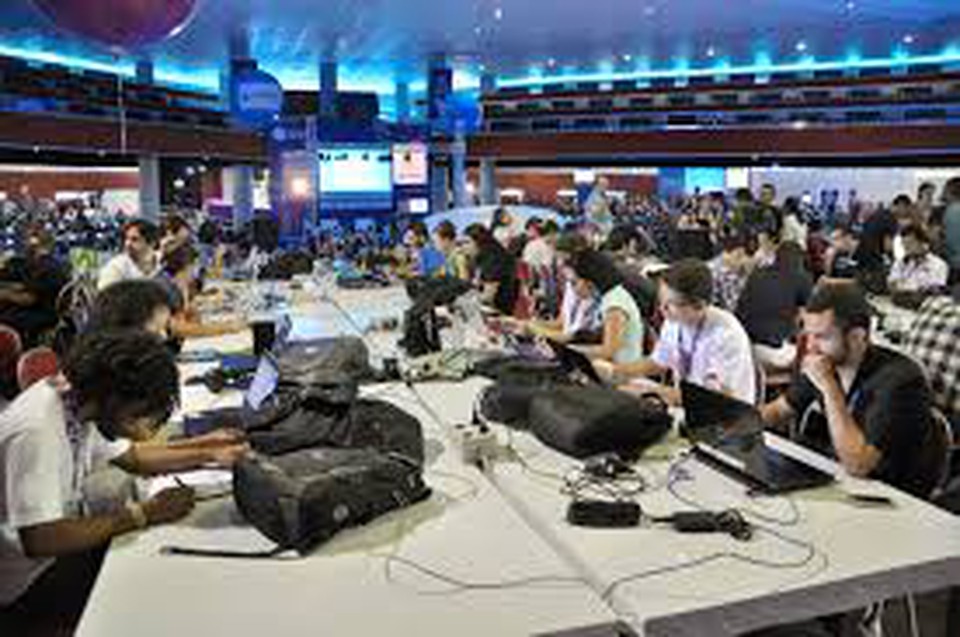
x: 356, y: 177
x: 410, y: 165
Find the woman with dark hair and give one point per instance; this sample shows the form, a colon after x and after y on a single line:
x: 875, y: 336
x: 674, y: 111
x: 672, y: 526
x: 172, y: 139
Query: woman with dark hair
x: 770, y: 304
x: 730, y: 268
x: 503, y: 228
x: 622, y: 321
x: 495, y: 269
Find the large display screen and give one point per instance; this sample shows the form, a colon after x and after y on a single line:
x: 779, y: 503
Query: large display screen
x: 410, y: 165
x: 356, y: 170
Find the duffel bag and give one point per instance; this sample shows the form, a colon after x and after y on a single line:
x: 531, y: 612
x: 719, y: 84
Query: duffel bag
x: 324, y: 360
x: 302, y: 499
x: 589, y: 420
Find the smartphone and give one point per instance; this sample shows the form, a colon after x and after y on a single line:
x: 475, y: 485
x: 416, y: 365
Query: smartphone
x: 867, y: 500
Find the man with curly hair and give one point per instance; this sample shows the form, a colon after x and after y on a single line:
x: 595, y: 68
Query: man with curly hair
x: 117, y: 389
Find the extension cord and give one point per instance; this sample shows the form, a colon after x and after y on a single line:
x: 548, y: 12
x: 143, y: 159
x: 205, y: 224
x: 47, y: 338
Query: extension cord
x: 477, y: 444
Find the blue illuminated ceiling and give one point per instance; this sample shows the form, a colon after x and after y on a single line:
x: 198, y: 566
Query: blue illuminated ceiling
x: 381, y: 41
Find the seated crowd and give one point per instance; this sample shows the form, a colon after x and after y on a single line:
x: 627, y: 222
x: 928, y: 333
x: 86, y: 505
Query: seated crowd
x: 774, y: 311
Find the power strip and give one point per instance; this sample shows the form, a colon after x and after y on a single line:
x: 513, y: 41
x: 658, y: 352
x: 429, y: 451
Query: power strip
x: 478, y: 444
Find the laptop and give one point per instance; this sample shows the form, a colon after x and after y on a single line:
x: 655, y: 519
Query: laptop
x: 572, y: 362
x: 262, y: 387
x: 238, y: 362
x: 727, y: 434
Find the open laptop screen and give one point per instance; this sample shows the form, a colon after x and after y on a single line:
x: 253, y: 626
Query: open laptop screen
x: 264, y: 383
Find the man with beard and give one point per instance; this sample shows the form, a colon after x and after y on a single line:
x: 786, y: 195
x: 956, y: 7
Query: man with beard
x: 870, y: 406
x: 138, y: 259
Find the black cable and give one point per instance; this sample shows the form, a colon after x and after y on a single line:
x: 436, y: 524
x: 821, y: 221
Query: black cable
x: 623, y: 488
x: 810, y: 548
x: 675, y: 475
x: 713, y: 557
x: 459, y: 585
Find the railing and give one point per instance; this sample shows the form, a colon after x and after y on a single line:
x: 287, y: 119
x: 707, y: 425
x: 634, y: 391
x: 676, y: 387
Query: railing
x: 814, y: 102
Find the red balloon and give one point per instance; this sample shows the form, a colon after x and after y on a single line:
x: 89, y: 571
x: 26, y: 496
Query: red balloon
x: 126, y: 24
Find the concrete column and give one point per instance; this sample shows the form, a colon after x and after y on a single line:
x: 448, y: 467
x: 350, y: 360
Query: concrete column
x: 402, y: 97
x: 437, y: 91
x: 458, y: 169
x: 150, y: 187
x: 488, y: 83
x: 328, y: 88
x: 488, y: 183
x: 439, y: 184
x: 241, y: 179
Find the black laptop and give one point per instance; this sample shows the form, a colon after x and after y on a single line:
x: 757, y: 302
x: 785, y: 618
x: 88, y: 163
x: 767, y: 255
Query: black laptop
x: 727, y: 434
x: 574, y: 363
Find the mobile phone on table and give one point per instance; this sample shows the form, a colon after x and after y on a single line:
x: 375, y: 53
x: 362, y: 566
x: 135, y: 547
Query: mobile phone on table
x: 870, y: 501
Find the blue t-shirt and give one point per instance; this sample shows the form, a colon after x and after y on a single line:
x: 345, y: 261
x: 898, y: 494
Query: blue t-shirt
x: 431, y: 261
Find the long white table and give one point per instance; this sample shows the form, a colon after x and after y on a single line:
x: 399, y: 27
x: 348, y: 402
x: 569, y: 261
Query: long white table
x: 506, y: 526
x: 374, y: 580
x: 836, y: 557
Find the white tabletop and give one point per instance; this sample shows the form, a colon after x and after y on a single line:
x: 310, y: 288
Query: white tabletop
x: 358, y: 583
x: 840, y: 557
x: 506, y: 526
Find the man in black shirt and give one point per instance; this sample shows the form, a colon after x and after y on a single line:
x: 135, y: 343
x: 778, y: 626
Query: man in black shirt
x: 875, y: 404
x: 29, y: 287
x: 496, y: 269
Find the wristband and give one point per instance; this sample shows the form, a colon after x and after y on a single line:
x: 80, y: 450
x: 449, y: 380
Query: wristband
x: 139, y: 516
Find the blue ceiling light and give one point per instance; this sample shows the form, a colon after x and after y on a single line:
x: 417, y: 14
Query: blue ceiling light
x: 42, y: 53
x: 762, y: 59
x: 681, y: 65
x: 762, y: 65
x: 853, y: 58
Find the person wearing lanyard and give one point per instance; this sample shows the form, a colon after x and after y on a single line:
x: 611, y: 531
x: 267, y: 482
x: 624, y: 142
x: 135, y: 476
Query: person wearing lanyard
x: 117, y: 389
x: 868, y: 406
x: 699, y: 343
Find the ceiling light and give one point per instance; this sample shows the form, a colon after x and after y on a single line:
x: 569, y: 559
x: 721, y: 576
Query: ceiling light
x: 851, y: 6
x: 711, y: 52
x: 551, y: 62
x: 498, y: 13
x: 801, y: 46
x: 627, y: 57
x: 909, y: 38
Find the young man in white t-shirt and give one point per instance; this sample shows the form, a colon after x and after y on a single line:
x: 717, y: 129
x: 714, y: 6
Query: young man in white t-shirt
x: 126, y: 383
x: 698, y: 343
x: 138, y: 259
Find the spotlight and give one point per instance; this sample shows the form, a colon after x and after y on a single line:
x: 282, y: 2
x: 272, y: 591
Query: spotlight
x: 299, y: 187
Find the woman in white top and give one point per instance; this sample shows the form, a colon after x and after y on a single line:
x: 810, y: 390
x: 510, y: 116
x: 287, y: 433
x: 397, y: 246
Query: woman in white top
x: 623, y: 327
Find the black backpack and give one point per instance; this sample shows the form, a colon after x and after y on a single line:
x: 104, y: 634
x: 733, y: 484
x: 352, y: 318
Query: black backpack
x: 324, y: 360
x: 518, y: 382
x: 301, y: 500
x: 590, y: 420
x: 315, y: 421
